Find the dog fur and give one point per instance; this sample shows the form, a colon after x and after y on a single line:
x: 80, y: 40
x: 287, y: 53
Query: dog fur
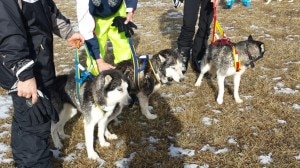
x: 101, y: 100
x: 219, y: 58
x: 166, y: 65
x: 268, y: 1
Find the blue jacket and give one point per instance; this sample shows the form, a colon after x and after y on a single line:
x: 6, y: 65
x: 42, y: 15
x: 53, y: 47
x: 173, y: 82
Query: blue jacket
x: 105, y: 10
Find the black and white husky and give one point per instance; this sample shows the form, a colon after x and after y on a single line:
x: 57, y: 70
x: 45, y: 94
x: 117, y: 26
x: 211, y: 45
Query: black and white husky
x: 161, y: 68
x: 101, y: 100
x: 219, y: 57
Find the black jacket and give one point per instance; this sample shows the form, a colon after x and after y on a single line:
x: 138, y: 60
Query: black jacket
x: 25, y: 35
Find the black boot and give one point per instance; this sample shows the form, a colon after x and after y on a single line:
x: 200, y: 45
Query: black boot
x: 185, y: 57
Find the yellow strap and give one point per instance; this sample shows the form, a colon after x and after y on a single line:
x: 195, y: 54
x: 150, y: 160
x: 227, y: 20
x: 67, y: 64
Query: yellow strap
x: 236, y: 59
x: 156, y: 77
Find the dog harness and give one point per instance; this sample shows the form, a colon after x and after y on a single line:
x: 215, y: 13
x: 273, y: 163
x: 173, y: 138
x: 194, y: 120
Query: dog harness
x: 224, y: 40
x: 137, y: 69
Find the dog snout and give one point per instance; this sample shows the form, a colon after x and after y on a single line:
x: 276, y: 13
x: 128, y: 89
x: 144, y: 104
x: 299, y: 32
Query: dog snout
x: 181, y: 79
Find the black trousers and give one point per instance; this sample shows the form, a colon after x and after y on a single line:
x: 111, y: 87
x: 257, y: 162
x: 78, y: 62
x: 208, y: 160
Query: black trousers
x: 30, y: 143
x: 188, y: 39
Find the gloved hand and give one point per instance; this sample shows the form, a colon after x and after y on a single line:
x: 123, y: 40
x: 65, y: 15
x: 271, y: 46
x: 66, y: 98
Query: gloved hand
x: 119, y: 22
x: 42, y: 110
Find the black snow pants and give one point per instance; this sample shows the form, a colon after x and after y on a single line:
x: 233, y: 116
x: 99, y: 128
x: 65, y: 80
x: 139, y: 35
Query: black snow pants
x: 188, y: 39
x: 29, y: 140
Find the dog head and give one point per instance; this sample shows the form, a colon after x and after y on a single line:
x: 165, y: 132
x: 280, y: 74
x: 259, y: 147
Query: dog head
x: 170, y: 66
x: 254, y: 50
x: 111, y: 89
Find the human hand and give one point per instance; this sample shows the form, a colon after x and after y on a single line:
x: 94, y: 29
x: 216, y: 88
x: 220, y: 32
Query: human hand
x: 215, y: 2
x: 76, y: 40
x: 129, y: 17
x: 102, y: 65
x: 119, y: 22
x: 28, y: 89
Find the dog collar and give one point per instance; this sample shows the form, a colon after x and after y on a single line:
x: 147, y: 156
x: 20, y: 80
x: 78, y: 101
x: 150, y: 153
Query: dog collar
x: 250, y: 58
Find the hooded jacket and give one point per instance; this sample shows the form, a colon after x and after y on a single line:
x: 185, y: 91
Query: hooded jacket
x: 26, y: 40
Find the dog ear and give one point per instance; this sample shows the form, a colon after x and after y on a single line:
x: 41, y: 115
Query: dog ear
x: 162, y: 59
x: 250, y: 37
x: 107, y: 80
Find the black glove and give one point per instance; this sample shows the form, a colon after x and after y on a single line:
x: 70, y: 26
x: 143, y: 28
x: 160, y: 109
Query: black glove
x: 122, y: 27
x: 42, y: 111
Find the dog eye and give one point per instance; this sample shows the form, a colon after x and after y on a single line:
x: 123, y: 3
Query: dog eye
x: 120, y: 89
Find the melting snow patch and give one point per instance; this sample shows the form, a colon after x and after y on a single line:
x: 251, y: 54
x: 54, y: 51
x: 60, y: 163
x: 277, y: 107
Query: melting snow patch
x: 70, y: 157
x: 207, y: 147
x: 296, y: 106
x: 209, y: 121
x: 124, y: 163
x: 281, y: 121
x: 204, y: 166
x: 231, y: 140
x: 5, y: 102
x: 152, y: 139
x: 277, y: 78
x: 190, y: 165
x: 217, y: 111
x: 265, y: 159
x: 2, y: 134
x: 177, y: 109
x: 6, y: 125
x: 297, y: 157
x: 80, y: 145
x: 175, y: 151
x: 3, y: 150
x: 280, y: 90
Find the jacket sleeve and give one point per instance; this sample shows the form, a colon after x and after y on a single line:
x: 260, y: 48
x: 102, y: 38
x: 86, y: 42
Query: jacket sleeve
x: 14, y: 51
x: 61, y: 25
x: 86, y: 24
x: 131, y: 5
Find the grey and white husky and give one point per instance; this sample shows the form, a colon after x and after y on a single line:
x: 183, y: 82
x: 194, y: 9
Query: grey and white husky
x: 162, y: 67
x: 100, y: 101
x: 219, y: 57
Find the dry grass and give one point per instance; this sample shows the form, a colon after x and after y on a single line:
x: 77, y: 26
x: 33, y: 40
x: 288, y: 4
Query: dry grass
x: 253, y: 124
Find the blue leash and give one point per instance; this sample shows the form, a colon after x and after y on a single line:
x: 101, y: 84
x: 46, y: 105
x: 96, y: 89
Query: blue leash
x: 81, y: 74
x: 136, y: 58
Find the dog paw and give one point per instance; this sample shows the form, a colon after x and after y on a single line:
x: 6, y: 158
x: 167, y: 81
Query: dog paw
x: 151, y: 116
x: 197, y: 84
x: 111, y: 136
x: 104, y: 144
x: 58, y: 145
x: 93, y: 155
x: 239, y: 100
x: 220, y: 101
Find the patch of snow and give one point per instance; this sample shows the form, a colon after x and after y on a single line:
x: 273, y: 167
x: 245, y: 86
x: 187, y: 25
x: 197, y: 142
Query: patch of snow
x: 6, y: 103
x: 124, y: 163
x: 209, y: 121
x: 265, y: 159
x: 176, y: 151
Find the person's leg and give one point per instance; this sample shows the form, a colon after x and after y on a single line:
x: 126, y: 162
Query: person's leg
x: 202, y: 35
x: 101, y: 30
x: 186, y: 36
x: 29, y: 141
x: 120, y: 42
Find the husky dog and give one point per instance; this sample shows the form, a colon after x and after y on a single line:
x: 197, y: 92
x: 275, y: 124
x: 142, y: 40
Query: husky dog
x: 268, y: 1
x: 219, y: 57
x: 161, y: 68
x: 101, y: 100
